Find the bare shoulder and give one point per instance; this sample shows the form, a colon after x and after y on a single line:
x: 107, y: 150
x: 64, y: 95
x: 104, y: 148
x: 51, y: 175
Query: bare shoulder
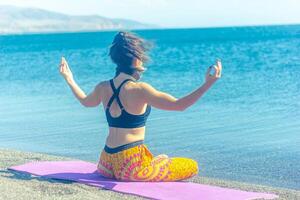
x: 145, y: 86
x: 101, y: 86
x: 147, y: 89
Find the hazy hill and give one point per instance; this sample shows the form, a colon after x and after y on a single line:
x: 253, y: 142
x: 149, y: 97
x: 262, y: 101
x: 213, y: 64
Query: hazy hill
x: 30, y: 20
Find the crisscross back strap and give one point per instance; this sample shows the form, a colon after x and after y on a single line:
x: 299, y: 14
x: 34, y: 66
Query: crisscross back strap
x: 116, y: 93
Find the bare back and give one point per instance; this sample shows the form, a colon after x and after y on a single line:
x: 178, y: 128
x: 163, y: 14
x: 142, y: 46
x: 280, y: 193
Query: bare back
x: 131, y: 97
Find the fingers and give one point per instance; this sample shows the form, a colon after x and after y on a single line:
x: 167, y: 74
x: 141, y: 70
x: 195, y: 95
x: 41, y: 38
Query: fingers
x: 216, y: 71
x: 211, y: 77
x: 219, y: 65
x: 63, y: 60
x: 208, y: 70
x: 62, y: 66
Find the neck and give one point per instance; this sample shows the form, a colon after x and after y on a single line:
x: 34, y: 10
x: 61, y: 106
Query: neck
x: 123, y: 76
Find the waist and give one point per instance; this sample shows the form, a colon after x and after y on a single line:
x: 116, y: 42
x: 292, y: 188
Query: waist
x: 122, y: 147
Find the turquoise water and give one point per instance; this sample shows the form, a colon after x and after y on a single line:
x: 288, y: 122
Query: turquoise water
x: 245, y: 128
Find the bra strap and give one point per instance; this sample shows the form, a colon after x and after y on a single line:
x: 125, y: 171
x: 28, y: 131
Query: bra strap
x: 112, y: 85
x: 116, y: 93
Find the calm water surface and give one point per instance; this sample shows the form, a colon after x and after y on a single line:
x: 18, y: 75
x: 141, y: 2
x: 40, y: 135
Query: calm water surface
x: 245, y: 128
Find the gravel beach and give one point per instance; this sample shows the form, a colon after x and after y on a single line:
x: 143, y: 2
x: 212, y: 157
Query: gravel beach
x: 15, y: 185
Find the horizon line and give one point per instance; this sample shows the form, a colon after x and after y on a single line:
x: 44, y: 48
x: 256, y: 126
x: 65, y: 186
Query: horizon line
x: 149, y: 29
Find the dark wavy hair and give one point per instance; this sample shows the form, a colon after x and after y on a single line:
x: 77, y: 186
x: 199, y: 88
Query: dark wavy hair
x: 125, y: 47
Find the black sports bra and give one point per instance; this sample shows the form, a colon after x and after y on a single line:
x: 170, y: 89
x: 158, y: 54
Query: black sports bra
x: 125, y: 120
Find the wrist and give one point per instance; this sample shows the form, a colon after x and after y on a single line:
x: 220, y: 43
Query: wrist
x: 69, y: 80
x: 207, y: 85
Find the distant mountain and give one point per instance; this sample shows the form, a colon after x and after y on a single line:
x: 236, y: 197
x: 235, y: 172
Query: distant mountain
x: 32, y: 20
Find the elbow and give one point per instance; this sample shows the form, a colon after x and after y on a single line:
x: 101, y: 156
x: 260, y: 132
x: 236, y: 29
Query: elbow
x: 88, y: 104
x: 179, y: 106
x: 181, y: 109
x: 84, y: 103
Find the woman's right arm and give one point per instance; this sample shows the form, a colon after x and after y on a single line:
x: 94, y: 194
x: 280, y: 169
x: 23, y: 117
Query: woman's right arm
x: 91, y: 100
x: 166, y: 101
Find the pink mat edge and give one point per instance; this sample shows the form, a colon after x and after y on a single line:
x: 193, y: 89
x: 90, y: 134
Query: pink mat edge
x: 272, y: 196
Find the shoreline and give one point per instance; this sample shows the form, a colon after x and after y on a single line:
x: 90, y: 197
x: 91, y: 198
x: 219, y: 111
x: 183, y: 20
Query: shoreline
x: 15, y: 185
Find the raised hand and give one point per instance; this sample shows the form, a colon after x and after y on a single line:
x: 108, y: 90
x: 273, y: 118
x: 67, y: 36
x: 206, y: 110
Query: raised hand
x: 65, y: 71
x: 212, y: 78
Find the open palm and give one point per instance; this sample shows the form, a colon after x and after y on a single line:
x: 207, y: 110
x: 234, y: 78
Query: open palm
x: 64, y: 69
x: 217, y: 72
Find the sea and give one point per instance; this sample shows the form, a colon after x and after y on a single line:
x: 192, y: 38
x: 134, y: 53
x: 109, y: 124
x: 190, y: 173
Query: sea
x: 245, y: 128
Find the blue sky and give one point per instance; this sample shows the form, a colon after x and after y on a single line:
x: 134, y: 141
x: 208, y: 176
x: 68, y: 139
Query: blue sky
x: 178, y: 13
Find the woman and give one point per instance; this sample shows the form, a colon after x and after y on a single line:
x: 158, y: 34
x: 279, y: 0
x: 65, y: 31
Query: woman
x: 127, y: 103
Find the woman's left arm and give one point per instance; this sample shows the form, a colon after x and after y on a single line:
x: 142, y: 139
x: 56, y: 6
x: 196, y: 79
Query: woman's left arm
x: 91, y: 100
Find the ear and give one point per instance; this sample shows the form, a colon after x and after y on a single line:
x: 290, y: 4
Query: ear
x: 136, y: 62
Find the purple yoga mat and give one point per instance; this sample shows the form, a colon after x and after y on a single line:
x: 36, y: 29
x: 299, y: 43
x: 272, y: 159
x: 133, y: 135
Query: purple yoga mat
x: 85, y: 172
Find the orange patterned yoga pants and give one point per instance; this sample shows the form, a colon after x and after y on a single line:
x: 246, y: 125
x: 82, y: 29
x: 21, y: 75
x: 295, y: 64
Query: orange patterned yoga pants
x: 138, y: 164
